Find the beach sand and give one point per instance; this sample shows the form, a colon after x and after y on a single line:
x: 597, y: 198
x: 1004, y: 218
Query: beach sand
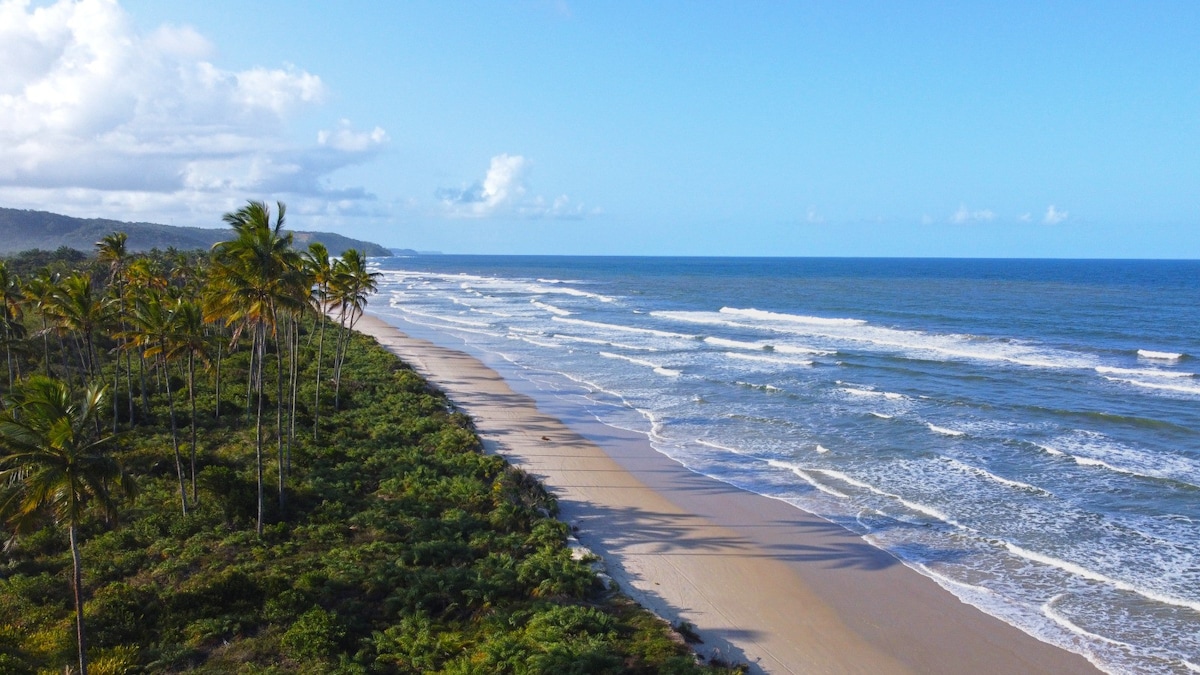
x: 762, y: 582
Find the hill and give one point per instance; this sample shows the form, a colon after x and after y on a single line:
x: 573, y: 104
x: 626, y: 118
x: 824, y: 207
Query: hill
x: 21, y: 230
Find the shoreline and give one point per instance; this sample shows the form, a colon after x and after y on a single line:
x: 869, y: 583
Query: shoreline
x: 761, y: 581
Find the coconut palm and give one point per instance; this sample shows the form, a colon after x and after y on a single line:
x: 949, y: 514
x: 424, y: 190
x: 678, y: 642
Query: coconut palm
x: 153, y: 326
x: 39, y: 293
x: 10, y: 316
x: 52, y: 463
x: 80, y: 311
x: 189, y: 341
x: 352, y: 285
x: 252, y: 275
x: 320, y: 269
x: 112, y: 250
x: 143, y: 276
x: 296, y: 297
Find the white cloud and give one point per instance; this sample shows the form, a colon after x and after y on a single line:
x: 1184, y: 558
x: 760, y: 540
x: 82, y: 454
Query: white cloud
x: 347, y: 139
x: 1025, y: 217
x: 814, y: 217
x: 1054, y: 216
x: 503, y: 191
x: 964, y: 215
x: 103, y: 120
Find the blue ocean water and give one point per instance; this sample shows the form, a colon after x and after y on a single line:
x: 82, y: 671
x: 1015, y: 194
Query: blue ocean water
x: 1025, y: 433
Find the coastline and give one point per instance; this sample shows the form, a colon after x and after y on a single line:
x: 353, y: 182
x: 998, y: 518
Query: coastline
x: 761, y: 581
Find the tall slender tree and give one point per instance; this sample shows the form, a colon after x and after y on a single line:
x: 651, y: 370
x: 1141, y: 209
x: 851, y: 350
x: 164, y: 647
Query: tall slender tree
x: 39, y: 293
x: 80, y: 310
x: 188, y: 341
x: 53, y: 464
x: 251, y: 276
x: 153, y: 326
x: 352, y: 285
x: 10, y: 316
x: 112, y: 250
x: 320, y: 269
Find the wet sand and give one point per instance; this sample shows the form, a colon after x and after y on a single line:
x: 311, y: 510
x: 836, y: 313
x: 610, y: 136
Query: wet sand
x: 762, y: 582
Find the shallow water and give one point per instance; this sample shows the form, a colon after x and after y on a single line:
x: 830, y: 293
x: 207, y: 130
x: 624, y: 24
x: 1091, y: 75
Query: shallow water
x: 1026, y: 433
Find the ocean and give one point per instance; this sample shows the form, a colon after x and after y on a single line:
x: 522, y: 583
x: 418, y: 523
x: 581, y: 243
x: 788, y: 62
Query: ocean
x: 1024, y: 432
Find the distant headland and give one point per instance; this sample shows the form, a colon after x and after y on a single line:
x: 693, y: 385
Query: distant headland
x: 21, y: 230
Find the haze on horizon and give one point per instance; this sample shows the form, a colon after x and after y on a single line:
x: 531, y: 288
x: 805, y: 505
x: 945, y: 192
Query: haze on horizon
x: 566, y: 127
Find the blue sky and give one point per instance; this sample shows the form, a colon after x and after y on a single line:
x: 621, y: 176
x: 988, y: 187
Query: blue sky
x: 1002, y: 129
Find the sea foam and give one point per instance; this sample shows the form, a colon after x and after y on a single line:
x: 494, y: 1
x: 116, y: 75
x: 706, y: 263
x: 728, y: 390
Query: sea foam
x: 1092, y: 575
x: 661, y: 370
x: 624, y: 329
x: 763, y: 315
x: 1161, y: 356
x: 944, y: 431
x: 557, y: 311
x: 768, y: 359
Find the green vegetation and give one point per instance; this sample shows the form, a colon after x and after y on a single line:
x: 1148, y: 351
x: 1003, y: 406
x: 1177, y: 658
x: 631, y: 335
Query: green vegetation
x: 139, y: 527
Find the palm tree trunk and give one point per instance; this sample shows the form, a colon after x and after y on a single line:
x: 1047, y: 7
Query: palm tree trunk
x: 116, y: 388
x: 320, y: 355
x: 129, y: 383
x: 295, y: 375
x: 192, y: 403
x: 220, y: 350
x: 175, y: 439
x: 83, y: 362
x: 145, y: 394
x: 279, y: 417
x: 261, y: 339
x: 92, y: 357
x: 339, y: 354
x: 8, y: 352
x: 80, y: 636
x: 46, y: 343
x: 117, y: 364
x: 250, y: 376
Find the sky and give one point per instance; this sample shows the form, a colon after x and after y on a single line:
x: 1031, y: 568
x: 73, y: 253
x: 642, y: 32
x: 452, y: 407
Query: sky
x: 925, y: 129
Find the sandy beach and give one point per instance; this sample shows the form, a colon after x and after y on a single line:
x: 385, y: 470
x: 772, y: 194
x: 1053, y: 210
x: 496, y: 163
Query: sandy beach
x: 762, y: 582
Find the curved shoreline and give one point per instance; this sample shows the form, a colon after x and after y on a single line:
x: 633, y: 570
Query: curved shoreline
x: 762, y: 581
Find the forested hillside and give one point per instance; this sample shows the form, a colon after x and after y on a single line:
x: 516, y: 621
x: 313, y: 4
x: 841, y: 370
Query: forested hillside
x: 23, y: 230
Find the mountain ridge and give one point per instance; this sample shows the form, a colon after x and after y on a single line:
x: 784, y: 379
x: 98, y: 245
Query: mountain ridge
x: 22, y: 229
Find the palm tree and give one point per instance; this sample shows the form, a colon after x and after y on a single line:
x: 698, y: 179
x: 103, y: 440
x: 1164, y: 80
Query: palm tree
x: 143, y: 276
x: 153, y: 326
x: 188, y: 339
x: 10, y: 315
x: 251, y: 276
x: 81, y: 311
x: 320, y: 269
x: 352, y: 286
x: 39, y: 292
x: 111, y: 249
x: 51, y: 463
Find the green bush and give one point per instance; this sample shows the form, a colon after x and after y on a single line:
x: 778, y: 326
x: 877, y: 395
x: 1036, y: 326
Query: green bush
x: 315, y: 635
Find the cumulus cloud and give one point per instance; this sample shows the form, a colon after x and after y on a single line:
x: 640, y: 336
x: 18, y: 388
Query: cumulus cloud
x: 1054, y: 216
x: 503, y: 191
x: 964, y: 215
x: 100, y: 119
x: 345, y: 138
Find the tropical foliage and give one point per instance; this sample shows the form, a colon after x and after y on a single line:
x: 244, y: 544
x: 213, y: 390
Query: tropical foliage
x: 138, y: 534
